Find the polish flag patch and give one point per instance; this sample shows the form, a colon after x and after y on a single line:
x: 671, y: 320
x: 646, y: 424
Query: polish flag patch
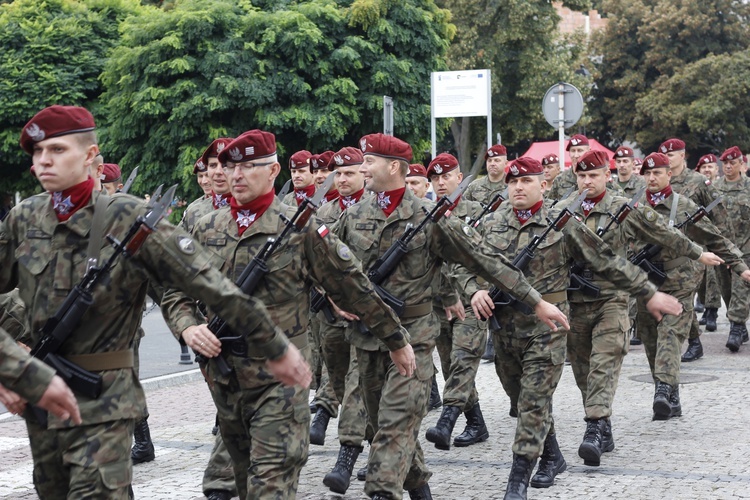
x: 323, y: 231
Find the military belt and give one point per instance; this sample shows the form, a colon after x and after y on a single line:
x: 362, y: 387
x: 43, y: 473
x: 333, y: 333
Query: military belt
x: 672, y: 264
x: 418, y: 310
x: 102, y: 361
x: 555, y: 297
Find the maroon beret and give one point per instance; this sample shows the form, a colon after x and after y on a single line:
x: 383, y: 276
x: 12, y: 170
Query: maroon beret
x: 199, y: 166
x: 709, y: 158
x: 577, y: 140
x: 251, y: 145
x: 321, y: 161
x: 731, y: 154
x: 215, y: 148
x: 654, y: 160
x: 112, y: 172
x: 550, y: 159
x: 441, y: 164
x: 672, y: 145
x: 386, y: 146
x: 55, y: 121
x: 347, y: 157
x: 638, y: 161
x: 496, y: 150
x: 624, y: 152
x: 522, y: 167
x: 592, y: 160
x: 300, y: 159
x: 417, y: 170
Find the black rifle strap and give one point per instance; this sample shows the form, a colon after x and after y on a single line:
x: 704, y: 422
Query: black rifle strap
x: 96, y: 234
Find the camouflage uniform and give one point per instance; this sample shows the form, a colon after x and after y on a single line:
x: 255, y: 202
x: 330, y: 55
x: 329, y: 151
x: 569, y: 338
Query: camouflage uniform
x: 632, y: 185
x: 395, y: 404
x: 13, y: 316
x: 529, y: 355
x: 709, y: 292
x: 45, y: 259
x: 563, y: 183
x: 265, y: 425
x: 483, y: 189
x: 21, y: 373
x: 197, y: 209
x: 663, y: 340
x: 598, y: 339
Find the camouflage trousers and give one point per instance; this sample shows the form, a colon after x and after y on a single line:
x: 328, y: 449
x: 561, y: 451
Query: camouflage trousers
x: 709, y: 292
x: 219, y: 473
x: 396, y: 406
x: 529, y: 369
x: 736, y: 294
x: 265, y: 427
x: 343, y: 377
x: 460, y: 346
x: 84, y: 462
x: 597, y: 343
x: 663, y: 340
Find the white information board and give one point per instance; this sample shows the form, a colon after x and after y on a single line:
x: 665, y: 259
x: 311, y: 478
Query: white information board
x: 461, y: 93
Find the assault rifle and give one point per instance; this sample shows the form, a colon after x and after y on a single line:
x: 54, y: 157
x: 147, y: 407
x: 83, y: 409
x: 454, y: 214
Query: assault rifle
x: 126, y: 187
x: 493, y: 205
x: 285, y: 189
x: 257, y: 269
x: 503, y: 299
x: 643, y: 258
x: 59, y: 327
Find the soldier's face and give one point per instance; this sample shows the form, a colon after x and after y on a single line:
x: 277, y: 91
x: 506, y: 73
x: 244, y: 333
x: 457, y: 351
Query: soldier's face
x: 525, y: 192
x: 253, y: 180
x: 496, y: 166
x: 111, y: 187
x: 418, y: 185
x: 62, y: 162
x: 624, y: 167
x: 657, y: 178
x: 551, y: 171
x: 320, y: 175
x: 710, y: 170
x: 445, y: 184
x: 349, y: 180
x: 381, y: 174
x: 576, y: 152
x: 219, y: 181
x: 302, y: 177
x: 204, y: 181
x: 732, y: 169
x: 676, y: 159
x: 593, y: 180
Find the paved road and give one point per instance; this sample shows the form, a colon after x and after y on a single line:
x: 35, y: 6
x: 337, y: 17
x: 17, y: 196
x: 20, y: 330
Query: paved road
x: 703, y: 455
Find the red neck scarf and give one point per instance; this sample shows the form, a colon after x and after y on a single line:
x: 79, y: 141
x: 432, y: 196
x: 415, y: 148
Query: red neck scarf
x: 659, y: 196
x: 220, y: 200
x: 299, y: 194
x: 524, y: 215
x: 347, y: 201
x: 589, y: 203
x: 390, y: 200
x: 332, y: 194
x: 248, y: 213
x: 67, y: 202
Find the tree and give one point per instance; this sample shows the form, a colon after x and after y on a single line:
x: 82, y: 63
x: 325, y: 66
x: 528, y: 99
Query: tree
x: 312, y: 72
x: 51, y: 52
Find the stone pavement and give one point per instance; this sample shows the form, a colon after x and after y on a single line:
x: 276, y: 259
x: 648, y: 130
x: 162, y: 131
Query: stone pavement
x: 703, y: 455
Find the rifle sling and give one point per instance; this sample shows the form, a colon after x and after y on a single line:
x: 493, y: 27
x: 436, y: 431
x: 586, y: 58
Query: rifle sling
x: 96, y: 235
x: 417, y: 310
x: 102, y: 361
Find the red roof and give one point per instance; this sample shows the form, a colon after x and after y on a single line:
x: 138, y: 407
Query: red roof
x: 539, y: 150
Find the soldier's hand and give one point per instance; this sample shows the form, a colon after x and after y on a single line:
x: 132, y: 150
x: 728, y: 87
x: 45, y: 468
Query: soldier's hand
x: 291, y: 368
x: 482, y: 304
x: 746, y: 275
x: 661, y: 304
x: 710, y: 259
x: 551, y: 315
x: 12, y: 401
x: 404, y: 360
x: 345, y: 315
x: 456, y: 310
x: 59, y: 400
x: 200, y: 339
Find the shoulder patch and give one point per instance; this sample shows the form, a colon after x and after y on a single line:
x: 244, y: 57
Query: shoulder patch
x: 650, y: 214
x: 185, y: 244
x: 323, y: 231
x: 468, y: 231
x: 708, y: 182
x: 343, y: 252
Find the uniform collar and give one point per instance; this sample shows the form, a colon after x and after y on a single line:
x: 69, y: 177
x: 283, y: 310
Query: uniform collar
x: 405, y: 209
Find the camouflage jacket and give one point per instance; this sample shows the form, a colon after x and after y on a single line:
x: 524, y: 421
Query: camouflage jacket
x: 311, y: 256
x: 13, y: 316
x: 450, y: 291
x: 684, y: 274
x: 416, y: 279
x: 549, y: 269
x: 644, y: 225
x: 21, y: 373
x: 699, y: 189
x: 737, y: 202
x: 482, y: 190
x: 197, y: 209
x: 45, y: 259
x: 631, y: 187
x: 563, y: 183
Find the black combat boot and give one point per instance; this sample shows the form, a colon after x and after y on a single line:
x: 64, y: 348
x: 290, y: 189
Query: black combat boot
x: 745, y: 336
x: 518, y: 482
x: 551, y: 464
x: 662, y: 408
x: 489, y: 350
x: 513, y: 412
x: 736, y: 331
x: 338, y: 479
x: 219, y: 495
x: 319, y: 426
x: 713, y: 315
x: 674, y: 402
x: 591, y: 447
x: 475, y: 430
x: 143, y: 448
x: 699, y: 307
x: 435, y: 401
x: 441, y: 433
x: 703, y: 319
x: 362, y: 474
x: 694, y: 350
x: 421, y: 493
x: 608, y: 440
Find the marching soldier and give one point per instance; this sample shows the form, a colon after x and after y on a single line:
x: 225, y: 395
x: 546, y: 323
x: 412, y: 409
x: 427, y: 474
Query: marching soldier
x: 43, y: 252
x: 321, y: 167
x: 417, y: 180
x: 112, y: 181
x: 264, y: 424
x: 482, y: 190
x: 300, y: 165
x: 193, y: 212
x: 220, y: 194
x: 396, y: 405
x: 566, y: 181
x: 551, y: 165
x: 629, y: 182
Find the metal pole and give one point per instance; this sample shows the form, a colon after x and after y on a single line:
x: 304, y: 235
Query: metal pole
x: 561, y: 123
x: 489, y: 108
x: 433, y: 133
